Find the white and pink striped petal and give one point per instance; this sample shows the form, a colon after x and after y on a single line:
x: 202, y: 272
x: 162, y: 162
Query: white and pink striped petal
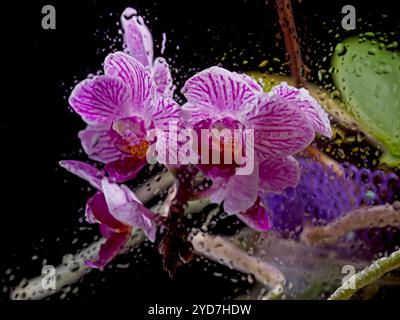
x: 276, y: 174
x: 162, y: 77
x: 167, y: 113
x: 137, y: 79
x: 279, y: 129
x: 301, y: 98
x: 217, y: 92
x: 98, y: 143
x: 100, y: 100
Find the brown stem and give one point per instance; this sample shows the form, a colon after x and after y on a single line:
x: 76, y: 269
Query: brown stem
x: 174, y: 247
x: 292, y: 43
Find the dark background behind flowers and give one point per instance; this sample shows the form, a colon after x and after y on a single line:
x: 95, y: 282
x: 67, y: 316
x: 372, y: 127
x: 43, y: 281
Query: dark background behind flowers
x: 42, y: 205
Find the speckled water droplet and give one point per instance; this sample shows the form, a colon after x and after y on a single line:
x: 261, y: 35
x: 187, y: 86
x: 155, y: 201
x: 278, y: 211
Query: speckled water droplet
x: 340, y: 49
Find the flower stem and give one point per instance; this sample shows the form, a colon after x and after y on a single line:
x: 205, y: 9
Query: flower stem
x: 174, y: 248
x: 362, y: 218
x: 292, y: 43
x: 71, y: 271
x: 215, y: 248
x: 225, y: 252
x: 67, y: 273
x: 367, y: 276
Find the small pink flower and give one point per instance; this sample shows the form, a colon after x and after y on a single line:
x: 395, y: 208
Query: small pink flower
x: 284, y: 122
x: 120, y: 108
x: 117, y: 210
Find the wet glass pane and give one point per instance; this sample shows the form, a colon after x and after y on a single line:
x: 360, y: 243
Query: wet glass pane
x: 228, y: 149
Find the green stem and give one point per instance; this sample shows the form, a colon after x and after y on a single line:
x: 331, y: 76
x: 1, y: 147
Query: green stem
x: 367, y: 276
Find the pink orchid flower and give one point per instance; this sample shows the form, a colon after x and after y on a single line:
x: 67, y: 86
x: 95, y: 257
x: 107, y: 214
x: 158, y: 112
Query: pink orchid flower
x: 120, y: 107
x: 117, y: 210
x: 284, y: 121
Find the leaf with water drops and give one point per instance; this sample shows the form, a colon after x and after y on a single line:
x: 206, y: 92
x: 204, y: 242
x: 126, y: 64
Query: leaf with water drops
x: 367, y: 73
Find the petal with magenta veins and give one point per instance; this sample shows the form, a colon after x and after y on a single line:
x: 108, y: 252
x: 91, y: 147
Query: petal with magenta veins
x: 217, y: 91
x: 162, y: 78
x: 125, y: 207
x: 251, y: 82
x: 84, y: 171
x: 136, y: 78
x: 256, y: 217
x: 276, y: 174
x: 137, y: 37
x: 167, y: 113
x: 100, y: 100
x: 279, y: 129
x: 186, y: 114
x: 114, y: 244
x: 311, y: 108
x: 167, y: 118
x: 98, y: 142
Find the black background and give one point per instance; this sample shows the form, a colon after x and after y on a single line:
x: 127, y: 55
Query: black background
x: 41, y: 205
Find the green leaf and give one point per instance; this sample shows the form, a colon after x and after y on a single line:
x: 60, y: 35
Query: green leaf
x: 368, y: 77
